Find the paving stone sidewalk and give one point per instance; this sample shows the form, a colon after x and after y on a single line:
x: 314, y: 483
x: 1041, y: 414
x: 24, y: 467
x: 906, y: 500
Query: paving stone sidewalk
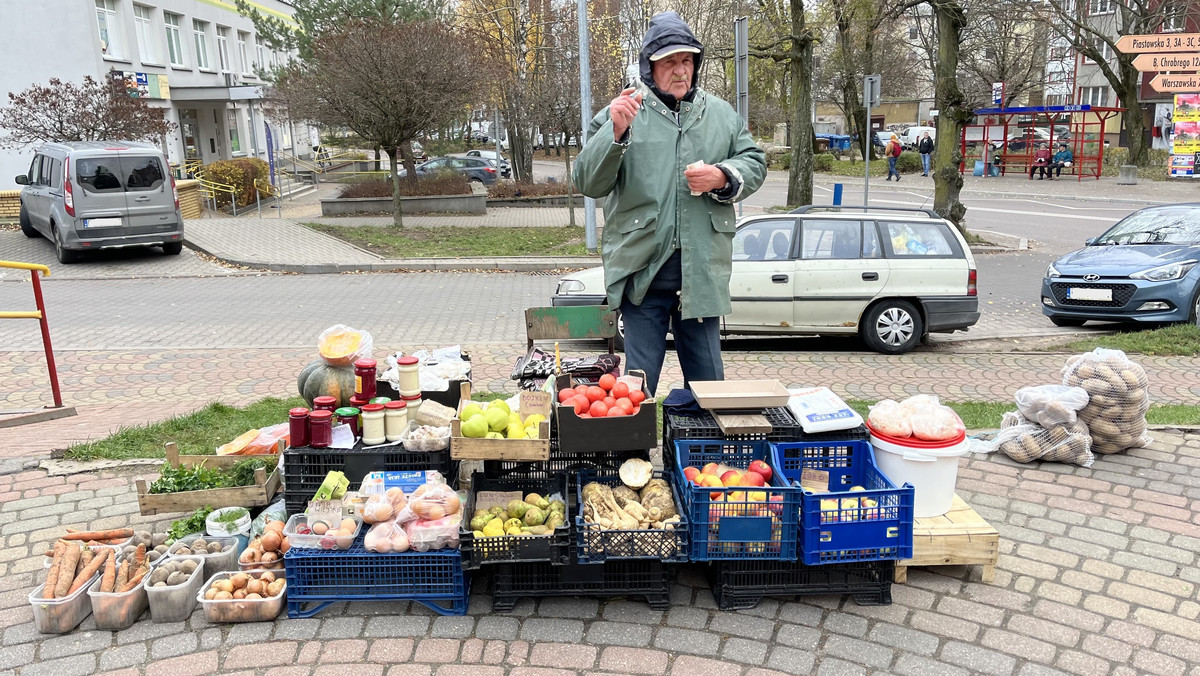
x: 1097, y: 575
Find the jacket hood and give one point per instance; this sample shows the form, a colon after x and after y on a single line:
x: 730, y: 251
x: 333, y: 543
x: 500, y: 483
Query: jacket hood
x: 668, y: 28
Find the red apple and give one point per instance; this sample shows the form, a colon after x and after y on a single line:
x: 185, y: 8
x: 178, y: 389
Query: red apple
x: 732, y: 478
x: 763, y: 469
x: 711, y: 468
x: 691, y: 473
x: 752, y: 478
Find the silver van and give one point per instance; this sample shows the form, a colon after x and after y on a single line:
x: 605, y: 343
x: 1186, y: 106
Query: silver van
x: 87, y: 195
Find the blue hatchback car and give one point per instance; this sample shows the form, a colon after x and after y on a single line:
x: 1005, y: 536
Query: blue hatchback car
x: 1143, y: 269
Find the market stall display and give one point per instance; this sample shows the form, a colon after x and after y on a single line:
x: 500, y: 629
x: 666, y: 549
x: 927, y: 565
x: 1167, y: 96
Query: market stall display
x: 918, y: 441
x: 614, y: 521
x: 628, y: 409
x: 217, y: 481
x: 489, y: 547
x: 498, y: 446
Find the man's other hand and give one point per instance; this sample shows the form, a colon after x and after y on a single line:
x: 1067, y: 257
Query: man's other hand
x: 705, y: 178
x: 622, y: 110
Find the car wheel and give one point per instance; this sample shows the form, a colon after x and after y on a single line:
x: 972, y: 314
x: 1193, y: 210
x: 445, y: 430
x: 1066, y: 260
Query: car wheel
x: 27, y: 225
x: 1066, y: 321
x: 1196, y: 308
x: 173, y: 248
x: 892, y: 327
x: 65, y: 255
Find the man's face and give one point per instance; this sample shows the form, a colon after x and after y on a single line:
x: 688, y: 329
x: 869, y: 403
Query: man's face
x: 673, y: 74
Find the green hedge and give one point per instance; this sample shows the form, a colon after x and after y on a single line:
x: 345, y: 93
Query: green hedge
x: 909, y: 162
x: 239, y: 174
x: 823, y: 162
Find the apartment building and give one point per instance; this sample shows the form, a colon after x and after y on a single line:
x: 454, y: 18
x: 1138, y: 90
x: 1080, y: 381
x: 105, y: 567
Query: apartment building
x: 198, y: 59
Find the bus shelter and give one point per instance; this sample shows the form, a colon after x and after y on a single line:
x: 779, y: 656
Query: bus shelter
x: 1004, y: 140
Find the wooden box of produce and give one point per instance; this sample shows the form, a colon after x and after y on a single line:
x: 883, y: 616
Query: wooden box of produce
x: 476, y: 448
x: 258, y: 493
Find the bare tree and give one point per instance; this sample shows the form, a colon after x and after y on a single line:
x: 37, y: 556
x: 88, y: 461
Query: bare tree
x: 387, y: 82
x: 93, y: 110
x: 1002, y: 45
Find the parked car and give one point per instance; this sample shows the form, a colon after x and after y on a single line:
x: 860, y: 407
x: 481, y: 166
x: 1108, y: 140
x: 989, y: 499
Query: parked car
x: 1141, y: 270
x: 890, y: 276
x: 474, y: 168
x: 418, y: 150
x: 505, y: 167
x: 88, y: 195
x: 1023, y: 138
x: 912, y: 136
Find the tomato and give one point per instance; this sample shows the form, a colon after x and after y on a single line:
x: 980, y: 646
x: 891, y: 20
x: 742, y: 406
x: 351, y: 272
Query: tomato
x: 637, y: 396
x: 607, y: 380
x: 620, y: 390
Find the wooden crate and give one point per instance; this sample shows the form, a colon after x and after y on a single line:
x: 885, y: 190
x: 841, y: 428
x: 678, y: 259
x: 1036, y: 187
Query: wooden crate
x: 258, y: 494
x: 532, y: 450
x: 959, y: 537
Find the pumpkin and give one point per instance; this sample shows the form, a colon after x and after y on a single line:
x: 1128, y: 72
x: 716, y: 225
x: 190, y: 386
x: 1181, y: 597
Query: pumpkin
x: 320, y: 379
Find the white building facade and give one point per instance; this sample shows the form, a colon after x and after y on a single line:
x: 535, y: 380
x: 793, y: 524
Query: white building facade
x: 198, y: 59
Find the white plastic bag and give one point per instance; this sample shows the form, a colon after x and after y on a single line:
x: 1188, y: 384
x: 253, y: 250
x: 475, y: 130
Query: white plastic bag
x: 886, y: 417
x: 1050, y: 405
x: 939, y: 423
x: 351, y: 353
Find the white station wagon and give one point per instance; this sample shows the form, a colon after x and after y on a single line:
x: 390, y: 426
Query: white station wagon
x: 892, y: 276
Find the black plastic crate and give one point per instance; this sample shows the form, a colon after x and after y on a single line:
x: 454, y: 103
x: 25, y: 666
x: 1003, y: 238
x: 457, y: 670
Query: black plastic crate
x: 739, y: 585
x: 647, y: 578
x: 784, y: 426
x: 305, y: 468
x: 553, y: 548
x: 561, y: 462
x: 448, y: 397
x: 596, y: 545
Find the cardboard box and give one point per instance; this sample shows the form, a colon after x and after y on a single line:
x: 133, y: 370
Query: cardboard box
x: 739, y: 394
x: 464, y: 448
x: 597, y: 435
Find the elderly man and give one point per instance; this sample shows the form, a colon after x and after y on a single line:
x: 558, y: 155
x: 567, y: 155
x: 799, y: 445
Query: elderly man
x: 671, y: 159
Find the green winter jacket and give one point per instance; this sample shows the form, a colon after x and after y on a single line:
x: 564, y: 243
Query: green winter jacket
x: 649, y: 211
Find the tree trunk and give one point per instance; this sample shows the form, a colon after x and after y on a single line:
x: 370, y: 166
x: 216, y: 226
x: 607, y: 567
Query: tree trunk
x: 954, y: 113
x: 570, y: 189
x: 410, y: 163
x: 394, y: 162
x: 800, y: 173
x: 1135, y: 126
x: 378, y: 158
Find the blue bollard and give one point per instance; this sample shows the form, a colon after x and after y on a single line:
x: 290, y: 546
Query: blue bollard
x: 837, y: 194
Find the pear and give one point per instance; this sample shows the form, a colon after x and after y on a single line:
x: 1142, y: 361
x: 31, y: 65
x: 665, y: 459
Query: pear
x: 500, y: 404
x: 497, y: 420
x: 470, y: 410
x: 475, y: 427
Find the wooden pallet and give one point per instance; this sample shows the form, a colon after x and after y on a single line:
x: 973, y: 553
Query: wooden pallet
x: 959, y: 537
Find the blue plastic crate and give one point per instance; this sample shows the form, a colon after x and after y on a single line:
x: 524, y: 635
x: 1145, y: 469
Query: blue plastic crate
x: 843, y: 525
x: 596, y: 545
x: 434, y: 579
x: 740, y: 528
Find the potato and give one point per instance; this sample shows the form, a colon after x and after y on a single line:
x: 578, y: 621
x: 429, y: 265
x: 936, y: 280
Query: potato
x: 198, y: 544
x: 215, y: 548
x: 176, y: 578
x: 275, y: 587
x: 158, y: 540
x: 267, y: 577
x: 159, y: 584
x: 239, y: 580
x: 223, y: 596
x: 189, y: 567
x: 183, y: 551
x: 128, y: 551
x: 159, y: 575
x: 1104, y: 428
x: 153, y: 556
x: 161, y: 548
x: 1133, y: 379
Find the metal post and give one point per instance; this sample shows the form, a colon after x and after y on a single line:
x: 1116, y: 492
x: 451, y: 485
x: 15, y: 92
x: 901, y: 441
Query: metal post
x: 741, y: 71
x: 585, y: 116
x: 870, y: 98
x: 41, y: 306
x: 496, y: 131
x: 233, y: 200
x: 837, y: 194
x: 258, y: 201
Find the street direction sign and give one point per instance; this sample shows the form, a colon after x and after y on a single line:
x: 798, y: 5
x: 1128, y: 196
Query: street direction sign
x: 1159, y: 42
x: 1175, y: 83
x: 1158, y: 63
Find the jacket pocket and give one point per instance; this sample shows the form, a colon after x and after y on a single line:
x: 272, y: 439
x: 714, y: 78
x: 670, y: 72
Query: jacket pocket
x: 635, y: 220
x: 722, y: 222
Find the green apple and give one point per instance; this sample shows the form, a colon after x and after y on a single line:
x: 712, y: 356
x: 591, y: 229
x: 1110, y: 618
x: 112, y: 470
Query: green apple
x: 470, y: 410
x: 497, y: 419
x: 494, y: 435
x: 475, y: 427
x: 502, y: 405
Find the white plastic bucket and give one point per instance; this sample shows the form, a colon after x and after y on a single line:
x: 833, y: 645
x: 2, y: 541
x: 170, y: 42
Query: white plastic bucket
x: 933, y: 472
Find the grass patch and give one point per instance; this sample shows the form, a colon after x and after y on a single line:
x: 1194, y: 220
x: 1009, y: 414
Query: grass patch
x: 443, y: 242
x: 197, y: 433
x: 1177, y: 340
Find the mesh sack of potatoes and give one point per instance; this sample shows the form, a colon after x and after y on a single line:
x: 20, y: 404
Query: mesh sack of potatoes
x: 1026, y: 442
x: 1117, y: 398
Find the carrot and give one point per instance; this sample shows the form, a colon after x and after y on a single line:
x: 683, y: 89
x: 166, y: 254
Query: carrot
x: 139, y: 556
x: 89, y: 571
x: 122, y: 575
x: 109, y: 580
x: 121, y: 533
x: 55, y: 566
x: 85, y: 559
x: 136, y: 578
x: 66, y: 574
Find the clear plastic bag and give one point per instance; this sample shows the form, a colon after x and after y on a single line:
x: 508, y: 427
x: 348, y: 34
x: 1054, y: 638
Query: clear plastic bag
x: 264, y: 443
x: 430, y: 502
x: 1051, y: 405
x: 427, y: 535
x: 379, y: 508
x: 386, y: 537
x: 939, y: 423
x: 888, y: 418
x: 276, y: 511
x: 425, y: 438
x: 340, y: 345
x: 1061, y: 443
x: 1117, y: 398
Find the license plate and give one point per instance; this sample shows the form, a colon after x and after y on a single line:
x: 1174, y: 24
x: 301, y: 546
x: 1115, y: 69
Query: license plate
x: 114, y: 222
x: 1077, y: 293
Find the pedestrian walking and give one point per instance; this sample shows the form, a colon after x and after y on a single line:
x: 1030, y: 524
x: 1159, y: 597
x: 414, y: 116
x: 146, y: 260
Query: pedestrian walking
x: 892, y: 151
x: 672, y: 159
x: 925, y: 147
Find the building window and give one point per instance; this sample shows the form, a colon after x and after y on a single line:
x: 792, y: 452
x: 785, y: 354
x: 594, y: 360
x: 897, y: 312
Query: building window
x: 223, y: 48
x: 1093, y: 96
x: 1096, y: 7
x: 144, y: 25
x: 174, y: 38
x: 1174, y: 16
x: 1058, y: 53
x: 1106, y: 52
x: 912, y: 32
x: 260, y: 53
x: 242, y: 52
x: 200, y: 32
x: 231, y: 121
x: 109, y: 25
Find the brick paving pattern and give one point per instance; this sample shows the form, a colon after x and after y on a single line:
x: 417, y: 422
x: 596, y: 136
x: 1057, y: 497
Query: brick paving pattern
x: 1097, y: 575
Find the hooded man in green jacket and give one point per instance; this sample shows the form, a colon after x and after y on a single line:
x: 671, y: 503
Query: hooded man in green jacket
x: 670, y: 160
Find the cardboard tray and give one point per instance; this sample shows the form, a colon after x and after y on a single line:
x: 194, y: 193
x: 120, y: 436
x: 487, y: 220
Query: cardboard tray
x: 733, y: 395
x: 599, y: 435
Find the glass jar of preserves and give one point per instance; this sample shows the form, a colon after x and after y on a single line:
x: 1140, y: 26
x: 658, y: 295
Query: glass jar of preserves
x: 298, y: 427
x: 373, y: 425
x: 364, y: 378
x: 325, y: 403
x: 395, y: 419
x: 412, y: 404
x: 381, y: 400
x: 410, y: 377
x: 358, y: 402
x: 348, y: 415
x: 320, y: 428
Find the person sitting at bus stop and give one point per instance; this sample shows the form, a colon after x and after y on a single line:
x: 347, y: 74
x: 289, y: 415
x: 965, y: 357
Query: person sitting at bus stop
x: 1041, y: 160
x: 1063, y: 158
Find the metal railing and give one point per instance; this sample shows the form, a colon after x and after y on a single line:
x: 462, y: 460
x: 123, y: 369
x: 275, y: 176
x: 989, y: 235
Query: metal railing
x: 262, y: 187
x: 40, y: 315
x: 210, y: 190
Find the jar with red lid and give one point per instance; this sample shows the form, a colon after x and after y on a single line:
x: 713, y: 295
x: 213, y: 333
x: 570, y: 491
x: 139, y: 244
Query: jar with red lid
x: 298, y: 427
x: 364, y: 378
x: 373, y: 425
x: 358, y: 402
x: 348, y: 415
x: 410, y: 376
x: 395, y: 418
x: 320, y: 428
x: 325, y: 403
